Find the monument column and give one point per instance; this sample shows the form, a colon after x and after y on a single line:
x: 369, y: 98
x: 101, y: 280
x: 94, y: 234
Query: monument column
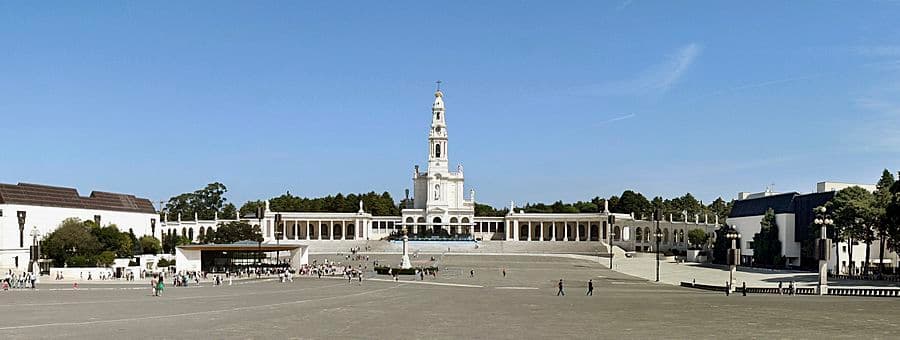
x: 577, y: 232
x: 565, y: 231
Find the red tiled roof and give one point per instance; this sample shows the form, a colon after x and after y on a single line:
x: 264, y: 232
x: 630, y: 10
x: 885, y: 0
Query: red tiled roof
x: 50, y: 196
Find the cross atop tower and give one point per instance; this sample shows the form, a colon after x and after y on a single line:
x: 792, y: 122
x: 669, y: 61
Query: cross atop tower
x: 438, y: 85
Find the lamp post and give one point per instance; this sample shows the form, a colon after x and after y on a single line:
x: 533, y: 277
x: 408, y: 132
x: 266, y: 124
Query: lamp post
x: 35, y: 249
x: 279, y: 232
x: 611, y: 221
x: 658, y: 234
x: 823, y: 247
x: 734, y: 256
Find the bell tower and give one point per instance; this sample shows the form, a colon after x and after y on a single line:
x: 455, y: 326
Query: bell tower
x: 437, y: 137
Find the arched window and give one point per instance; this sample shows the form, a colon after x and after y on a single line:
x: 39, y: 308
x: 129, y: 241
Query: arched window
x: 437, y: 150
x: 617, y: 235
x: 438, y: 116
x: 191, y: 234
x: 666, y: 236
x: 453, y: 220
x: 638, y: 234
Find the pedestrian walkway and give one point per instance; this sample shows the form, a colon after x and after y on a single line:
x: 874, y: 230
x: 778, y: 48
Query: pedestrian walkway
x: 674, y: 273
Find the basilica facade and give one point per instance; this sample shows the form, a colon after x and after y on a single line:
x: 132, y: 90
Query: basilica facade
x: 442, y: 208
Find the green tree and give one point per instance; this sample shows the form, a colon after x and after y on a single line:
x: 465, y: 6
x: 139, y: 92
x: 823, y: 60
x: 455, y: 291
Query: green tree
x: 697, y: 237
x: 72, y: 238
x: 205, y: 203
x: 106, y: 258
x: 892, y: 217
x: 150, y: 245
x: 882, y: 196
x: 487, y: 210
x: 766, y: 244
x: 853, y: 212
x: 252, y: 207
x: 632, y: 202
x: 236, y: 231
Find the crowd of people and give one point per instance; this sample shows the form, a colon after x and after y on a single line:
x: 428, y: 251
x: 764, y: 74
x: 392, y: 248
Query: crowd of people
x: 13, y: 280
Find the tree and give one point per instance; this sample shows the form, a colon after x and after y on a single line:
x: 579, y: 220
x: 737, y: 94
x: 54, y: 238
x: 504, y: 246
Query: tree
x: 882, y: 196
x: 235, y: 231
x: 721, y: 245
x: 150, y: 245
x: 251, y: 207
x: 853, y: 212
x: 487, y: 210
x: 72, y: 238
x: 632, y: 202
x: 697, y: 237
x: 106, y: 258
x: 205, y: 203
x: 892, y: 216
x: 766, y: 244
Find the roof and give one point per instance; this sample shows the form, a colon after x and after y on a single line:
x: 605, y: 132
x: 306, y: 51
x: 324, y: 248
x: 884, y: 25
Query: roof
x: 241, y: 246
x: 781, y: 203
x: 50, y: 196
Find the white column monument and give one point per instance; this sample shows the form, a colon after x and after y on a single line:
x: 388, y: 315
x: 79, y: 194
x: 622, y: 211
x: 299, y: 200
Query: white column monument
x: 404, y: 261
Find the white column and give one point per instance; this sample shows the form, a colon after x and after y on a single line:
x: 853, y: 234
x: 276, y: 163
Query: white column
x: 577, y: 232
x: 541, y: 232
x: 553, y: 231
x: 565, y: 231
x: 529, y: 230
x: 515, y: 228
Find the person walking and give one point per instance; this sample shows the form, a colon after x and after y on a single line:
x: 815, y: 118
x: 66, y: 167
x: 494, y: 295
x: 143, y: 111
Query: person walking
x: 780, y: 289
x: 472, y: 273
x: 560, y: 292
x: 153, y: 286
x: 744, y: 289
x: 504, y: 272
x: 590, y: 291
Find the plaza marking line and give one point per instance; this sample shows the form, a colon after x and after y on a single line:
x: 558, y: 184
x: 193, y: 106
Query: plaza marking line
x: 413, y: 282
x: 516, y: 288
x: 167, y: 299
x: 155, y: 317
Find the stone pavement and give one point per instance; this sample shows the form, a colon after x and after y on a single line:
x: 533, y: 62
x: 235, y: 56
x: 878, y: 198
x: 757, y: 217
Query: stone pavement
x: 644, y: 266
x: 522, y: 305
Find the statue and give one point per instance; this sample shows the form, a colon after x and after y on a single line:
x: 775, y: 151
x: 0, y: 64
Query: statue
x: 267, y: 206
x: 472, y: 194
x: 361, y: 207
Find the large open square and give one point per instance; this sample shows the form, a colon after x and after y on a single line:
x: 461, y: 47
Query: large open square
x: 524, y: 304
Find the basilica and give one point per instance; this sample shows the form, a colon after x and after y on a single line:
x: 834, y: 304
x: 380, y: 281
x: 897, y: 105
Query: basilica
x: 441, y: 208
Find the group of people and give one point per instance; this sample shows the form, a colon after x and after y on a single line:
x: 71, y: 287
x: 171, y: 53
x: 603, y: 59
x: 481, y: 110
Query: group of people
x: 25, y: 280
x: 561, y: 288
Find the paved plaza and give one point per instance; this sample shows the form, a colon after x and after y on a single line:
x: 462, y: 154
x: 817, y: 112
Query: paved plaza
x: 522, y: 305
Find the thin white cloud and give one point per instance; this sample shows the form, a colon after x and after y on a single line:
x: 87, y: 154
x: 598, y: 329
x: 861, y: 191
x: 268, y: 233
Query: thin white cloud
x: 879, y: 131
x: 624, y: 5
x: 618, y: 118
x: 655, y: 79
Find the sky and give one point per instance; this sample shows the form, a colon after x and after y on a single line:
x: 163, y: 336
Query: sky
x: 545, y: 100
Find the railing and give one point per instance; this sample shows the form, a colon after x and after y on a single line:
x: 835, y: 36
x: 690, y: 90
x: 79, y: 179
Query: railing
x: 875, y: 292
x: 870, y: 277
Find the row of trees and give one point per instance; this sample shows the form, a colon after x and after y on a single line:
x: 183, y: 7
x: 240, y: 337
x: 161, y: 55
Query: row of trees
x: 864, y: 217
x: 375, y: 204
x: 78, y: 243
x: 204, y: 203
x: 629, y: 202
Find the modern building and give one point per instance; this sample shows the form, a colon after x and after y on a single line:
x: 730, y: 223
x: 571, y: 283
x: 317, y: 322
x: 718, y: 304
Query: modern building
x: 28, y: 212
x: 794, y: 216
x: 440, y: 207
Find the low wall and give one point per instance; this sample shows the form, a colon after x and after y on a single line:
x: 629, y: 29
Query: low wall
x: 877, y: 292
x: 94, y: 272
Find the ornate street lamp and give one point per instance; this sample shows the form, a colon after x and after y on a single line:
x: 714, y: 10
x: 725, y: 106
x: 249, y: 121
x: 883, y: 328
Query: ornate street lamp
x: 823, y: 247
x: 658, y: 236
x: 611, y: 222
x: 734, y: 256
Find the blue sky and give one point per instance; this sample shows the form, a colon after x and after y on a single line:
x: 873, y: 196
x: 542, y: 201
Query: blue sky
x: 545, y: 100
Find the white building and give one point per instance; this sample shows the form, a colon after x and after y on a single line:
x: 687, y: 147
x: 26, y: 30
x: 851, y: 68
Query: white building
x: 29, y: 208
x: 440, y: 207
x: 794, y: 216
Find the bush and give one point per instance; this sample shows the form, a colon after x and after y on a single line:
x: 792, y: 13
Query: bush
x: 163, y: 263
x: 80, y: 261
x: 398, y: 271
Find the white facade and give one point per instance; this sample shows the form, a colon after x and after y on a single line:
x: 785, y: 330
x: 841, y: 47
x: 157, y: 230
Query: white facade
x: 439, y: 203
x: 17, y: 238
x: 440, y: 207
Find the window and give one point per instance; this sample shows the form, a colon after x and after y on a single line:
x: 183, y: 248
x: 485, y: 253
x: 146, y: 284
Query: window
x: 1, y: 212
x: 437, y: 150
x: 439, y: 118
